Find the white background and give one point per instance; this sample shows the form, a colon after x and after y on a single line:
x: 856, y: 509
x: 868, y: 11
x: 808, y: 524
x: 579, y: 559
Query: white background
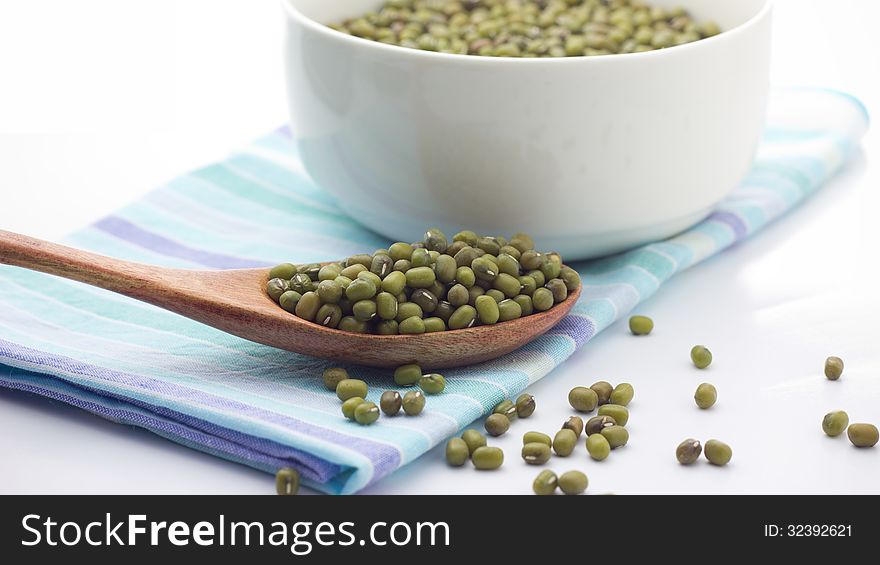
x: 101, y: 100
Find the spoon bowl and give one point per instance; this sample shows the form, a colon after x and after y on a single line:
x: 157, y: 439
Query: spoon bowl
x: 235, y: 301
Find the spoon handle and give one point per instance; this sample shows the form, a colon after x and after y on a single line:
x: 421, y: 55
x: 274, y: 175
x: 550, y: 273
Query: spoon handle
x: 124, y: 277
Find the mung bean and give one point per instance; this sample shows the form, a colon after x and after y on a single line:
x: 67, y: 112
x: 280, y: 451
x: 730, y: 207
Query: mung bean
x: 598, y: 447
x: 287, y: 481
x: 564, y: 442
x: 705, y: 396
x: 525, y: 405
x: 349, y: 388
x: 616, y: 411
x: 641, y: 325
x: 413, y: 402
x: 573, y: 482
x: 536, y: 453
x: 622, y: 394
x: 701, y: 356
x: 537, y: 437
x: 688, y: 451
x: 603, y: 390
x: 583, y: 399
x: 349, y: 406
x: 366, y: 413
x: 835, y: 423
x: 473, y: 439
x: 390, y: 402
x: 332, y: 376
x: 433, y: 383
x: 407, y: 375
x: 862, y: 435
x: 457, y: 452
x: 497, y: 424
x: 545, y: 483
x: 487, y: 458
x: 575, y: 424
x: 718, y: 453
x: 833, y: 368
x: 596, y: 424
x: 507, y: 408
x: 617, y: 436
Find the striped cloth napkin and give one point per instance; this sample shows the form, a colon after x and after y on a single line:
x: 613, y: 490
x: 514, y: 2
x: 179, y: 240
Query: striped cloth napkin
x: 135, y: 364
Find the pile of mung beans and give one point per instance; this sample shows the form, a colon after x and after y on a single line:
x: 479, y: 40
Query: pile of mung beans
x: 427, y: 286
x: 528, y: 28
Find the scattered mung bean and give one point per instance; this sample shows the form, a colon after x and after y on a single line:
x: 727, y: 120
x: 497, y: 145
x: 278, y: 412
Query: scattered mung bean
x: 833, y: 368
x: 366, y: 413
x: 287, y: 481
x: 537, y: 437
x: 390, y: 402
x: 718, y: 453
x: 688, y: 451
x: 575, y: 424
x: 349, y: 406
x: 705, y: 396
x: 596, y: 424
x: 863, y: 435
x: 583, y: 399
x: 487, y: 458
x: 598, y: 447
x: 507, y: 408
x: 433, y: 383
x: 616, y: 411
x: 701, y: 356
x: 564, y: 442
x: 835, y: 423
x: 622, y: 394
x: 407, y: 375
x: 349, y: 388
x: 545, y: 483
x: 617, y: 436
x: 457, y: 452
x: 332, y: 376
x: 525, y: 405
x: 473, y: 439
x: 641, y: 325
x: 413, y: 402
x: 497, y: 424
x: 573, y: 482
x: 603, y: 390
x: 536, y: 453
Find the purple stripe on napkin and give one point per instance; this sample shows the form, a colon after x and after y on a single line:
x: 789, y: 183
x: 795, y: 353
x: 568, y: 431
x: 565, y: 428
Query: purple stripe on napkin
x: 131, y: 233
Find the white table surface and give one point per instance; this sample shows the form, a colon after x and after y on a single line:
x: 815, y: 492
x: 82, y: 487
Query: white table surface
x: 101, y: 100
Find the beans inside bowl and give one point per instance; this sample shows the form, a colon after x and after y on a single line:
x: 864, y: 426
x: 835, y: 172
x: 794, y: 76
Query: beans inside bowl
x: 528, y: 28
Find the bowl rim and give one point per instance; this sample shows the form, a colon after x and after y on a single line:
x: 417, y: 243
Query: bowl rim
x: 294, y: 13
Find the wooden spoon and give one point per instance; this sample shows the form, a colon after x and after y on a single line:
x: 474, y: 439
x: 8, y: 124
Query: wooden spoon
x: 236, y: 302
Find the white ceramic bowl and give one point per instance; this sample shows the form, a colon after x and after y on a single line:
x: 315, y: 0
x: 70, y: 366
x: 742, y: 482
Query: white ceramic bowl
x: 591, y: 155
